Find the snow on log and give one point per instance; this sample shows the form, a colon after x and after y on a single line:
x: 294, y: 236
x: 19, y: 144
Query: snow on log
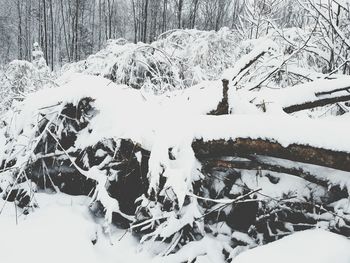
x: 320, y: 173
x: 244, y: 63
x: 284, y: 137
x: 251, y: 163
x: 309, y: 95
x: 317, y: 103
x: 313, y: 173
x: 129, y: 146
x: 272, y: 135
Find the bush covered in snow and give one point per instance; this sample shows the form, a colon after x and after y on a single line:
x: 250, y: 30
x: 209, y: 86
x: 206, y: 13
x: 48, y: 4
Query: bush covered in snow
x: 177, y: 60
x: 21, y: 77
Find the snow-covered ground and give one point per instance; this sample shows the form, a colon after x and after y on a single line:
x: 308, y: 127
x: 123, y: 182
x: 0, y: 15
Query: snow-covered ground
x: 311, y: 246
x: 63, y: 229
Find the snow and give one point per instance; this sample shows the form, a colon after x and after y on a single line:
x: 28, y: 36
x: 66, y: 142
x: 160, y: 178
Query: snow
x: 311, y: 246
x: 262, y: 47
x: 306, y: 92
x: 283, y: 129
x: 161, y: 116
x: 63, y: 230
x: 113, y: 101
x: 333, y: 176
x: 284, y: 185
x: 177, y: 60
x: 207, y: 250
x: 154, y: 124
x: 342, y: 208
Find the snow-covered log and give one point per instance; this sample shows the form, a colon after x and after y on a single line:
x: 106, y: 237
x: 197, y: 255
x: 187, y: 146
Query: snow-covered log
x: 296, y: 152
x: 322, y: 101
x: 309, y: 95
x: 319, y: 175
x: 148, y: 175
x: 281, y: 136
x: 246, y: 61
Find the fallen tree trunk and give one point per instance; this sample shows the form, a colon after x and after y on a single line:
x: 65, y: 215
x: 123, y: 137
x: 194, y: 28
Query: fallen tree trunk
x: 327, y: 177
x: 318, y: 93
x: 255, y: 164
x: 294, y: 152
x: 317, y: 103
x: 308, y: 95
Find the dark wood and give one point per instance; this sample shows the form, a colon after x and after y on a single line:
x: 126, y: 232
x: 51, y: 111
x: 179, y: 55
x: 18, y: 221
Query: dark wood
x: 294, y: 152
x: 332, y: 91
x: 222, y: 107
x: 255, y: 164
x: 256, y: 58
x: 317, y: 103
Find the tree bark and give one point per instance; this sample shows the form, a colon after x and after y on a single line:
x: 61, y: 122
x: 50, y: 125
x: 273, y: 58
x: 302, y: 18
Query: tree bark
x: 223, y: 107
x: 179, y: 13
x: 317, y: 103
x: 135, y: 21
x: 45, y: 30
x: 194, y: 13
x: 52, y: 36
x: 255, y: 164
x: 65, y: 32
x: 294, y: 152
x: 100, y: 24
x: 76, y: 29
x: 145, y: 20
x: 20, y: 34
x: 165, y: 8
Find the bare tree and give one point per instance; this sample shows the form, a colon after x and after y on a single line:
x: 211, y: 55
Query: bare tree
x: 52, y: 35
x: 20, y: 34
x: 179, y: 5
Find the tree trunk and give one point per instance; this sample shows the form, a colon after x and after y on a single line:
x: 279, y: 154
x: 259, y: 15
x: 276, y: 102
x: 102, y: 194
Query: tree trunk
x: 45, y: 31
x: 294, y: 152
x: 100, y: 24
x: 179, y: 13
x: 194, y: 13
x: 165, y: 8
x: 135, y: 21
x: 93, y: 29
x: 52, y: 36
x: 20, y: 34
x: 145, y: 20
x: 76, y: 29
x: 317, y: 103
x: 250, y: 162
x: 65, y: 32
x: 110, y: 14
